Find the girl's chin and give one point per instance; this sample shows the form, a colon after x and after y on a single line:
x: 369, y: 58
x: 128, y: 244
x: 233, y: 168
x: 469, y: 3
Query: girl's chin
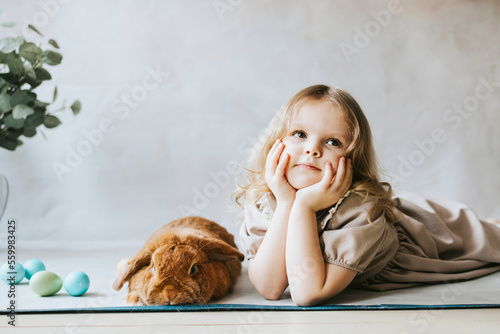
x: 300, y: 183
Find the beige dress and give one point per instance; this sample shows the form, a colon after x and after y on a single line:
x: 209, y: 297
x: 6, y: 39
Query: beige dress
x: 434, y: 240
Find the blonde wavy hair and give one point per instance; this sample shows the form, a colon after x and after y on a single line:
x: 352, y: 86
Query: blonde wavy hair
x: 253, y: 187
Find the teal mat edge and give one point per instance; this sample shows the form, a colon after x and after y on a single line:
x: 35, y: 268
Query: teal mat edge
x: 243, y: 307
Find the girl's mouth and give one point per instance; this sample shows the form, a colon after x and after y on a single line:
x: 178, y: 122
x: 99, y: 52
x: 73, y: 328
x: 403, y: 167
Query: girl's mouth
x: 308, y: 166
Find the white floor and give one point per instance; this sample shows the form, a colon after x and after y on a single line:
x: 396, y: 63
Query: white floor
x: 423, y: 321
x: 99, y: 261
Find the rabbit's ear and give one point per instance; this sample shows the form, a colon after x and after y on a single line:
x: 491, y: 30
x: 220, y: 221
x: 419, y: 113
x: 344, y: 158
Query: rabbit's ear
x: 141, y: 259
x: 219, y: 250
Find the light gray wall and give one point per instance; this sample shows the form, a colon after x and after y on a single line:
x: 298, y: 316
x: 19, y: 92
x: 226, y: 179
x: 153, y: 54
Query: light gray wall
x: 221, y: 70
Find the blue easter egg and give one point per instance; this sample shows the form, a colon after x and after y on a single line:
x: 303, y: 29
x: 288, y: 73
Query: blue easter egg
x: 12, y: 274
x: 76, y: 283
x: 32, y: 267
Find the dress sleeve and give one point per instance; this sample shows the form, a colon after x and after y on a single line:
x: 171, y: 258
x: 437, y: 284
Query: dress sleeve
x: 349, y: 240
x: 254, y: 227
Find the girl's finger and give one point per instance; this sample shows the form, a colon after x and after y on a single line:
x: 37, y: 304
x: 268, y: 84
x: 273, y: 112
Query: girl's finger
x: 273, y: 157
x: 284, y: 158
x: 274, y: 145
x: 340, y: 176
x: 327, y: 178
x: 347, y: 178
x: 272, y: 150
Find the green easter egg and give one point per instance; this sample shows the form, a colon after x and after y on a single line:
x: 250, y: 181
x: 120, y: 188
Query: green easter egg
x: 45, y: 283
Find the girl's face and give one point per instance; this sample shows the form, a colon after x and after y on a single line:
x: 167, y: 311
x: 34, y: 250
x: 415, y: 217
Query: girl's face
x: 317, y: 134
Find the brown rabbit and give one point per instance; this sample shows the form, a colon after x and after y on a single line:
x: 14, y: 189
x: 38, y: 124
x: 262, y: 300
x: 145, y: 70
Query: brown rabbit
x: 188, y: 261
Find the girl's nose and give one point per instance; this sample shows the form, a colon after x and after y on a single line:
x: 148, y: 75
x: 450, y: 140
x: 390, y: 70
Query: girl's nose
x: 312, y: 149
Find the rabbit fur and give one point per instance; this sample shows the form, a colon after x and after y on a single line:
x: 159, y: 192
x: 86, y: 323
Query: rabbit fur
x: 191, y: 260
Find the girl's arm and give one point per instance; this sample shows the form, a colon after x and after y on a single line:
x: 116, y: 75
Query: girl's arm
x: 313, y: 281
x: 267, y: 271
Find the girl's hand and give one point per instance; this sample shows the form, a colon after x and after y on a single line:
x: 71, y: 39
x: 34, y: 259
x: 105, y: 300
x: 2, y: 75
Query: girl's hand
x: 275, y: 173
x: 330, y: 189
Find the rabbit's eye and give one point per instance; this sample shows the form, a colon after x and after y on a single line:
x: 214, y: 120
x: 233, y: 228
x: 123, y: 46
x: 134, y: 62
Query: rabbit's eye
x: 153, y: 270
x: 194, y: 269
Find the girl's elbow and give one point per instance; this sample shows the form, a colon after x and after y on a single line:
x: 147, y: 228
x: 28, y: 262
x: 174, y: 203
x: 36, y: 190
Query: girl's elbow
x: 308, y: 299
x: 305, y: 301
x: 271, y: 295
x: 270, y: 292
x: 267, y: 287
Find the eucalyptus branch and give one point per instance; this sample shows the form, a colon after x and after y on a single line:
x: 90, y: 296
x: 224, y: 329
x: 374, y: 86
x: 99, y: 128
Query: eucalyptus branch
x: 21, y: 112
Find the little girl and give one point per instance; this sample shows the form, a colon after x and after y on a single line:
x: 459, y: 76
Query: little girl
x: 318, y: 219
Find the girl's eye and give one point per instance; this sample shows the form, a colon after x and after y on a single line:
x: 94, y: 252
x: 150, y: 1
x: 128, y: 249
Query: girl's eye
x: 334, y: 142
x: 299, y: 134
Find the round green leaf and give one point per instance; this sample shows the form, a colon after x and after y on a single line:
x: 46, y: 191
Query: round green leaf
x: 22, y: 111
x: 42, y: 74
x: 35, y: 120
x: 13, y: 123
x: 21, y: 97
x: 8, y: 144
x: 53, y: 43
x: 29, y: 132
x: 15, y: 63
x: 76, y: 107
x: 52, y: 57
x: 30, y: 52
x: 51, y: 121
